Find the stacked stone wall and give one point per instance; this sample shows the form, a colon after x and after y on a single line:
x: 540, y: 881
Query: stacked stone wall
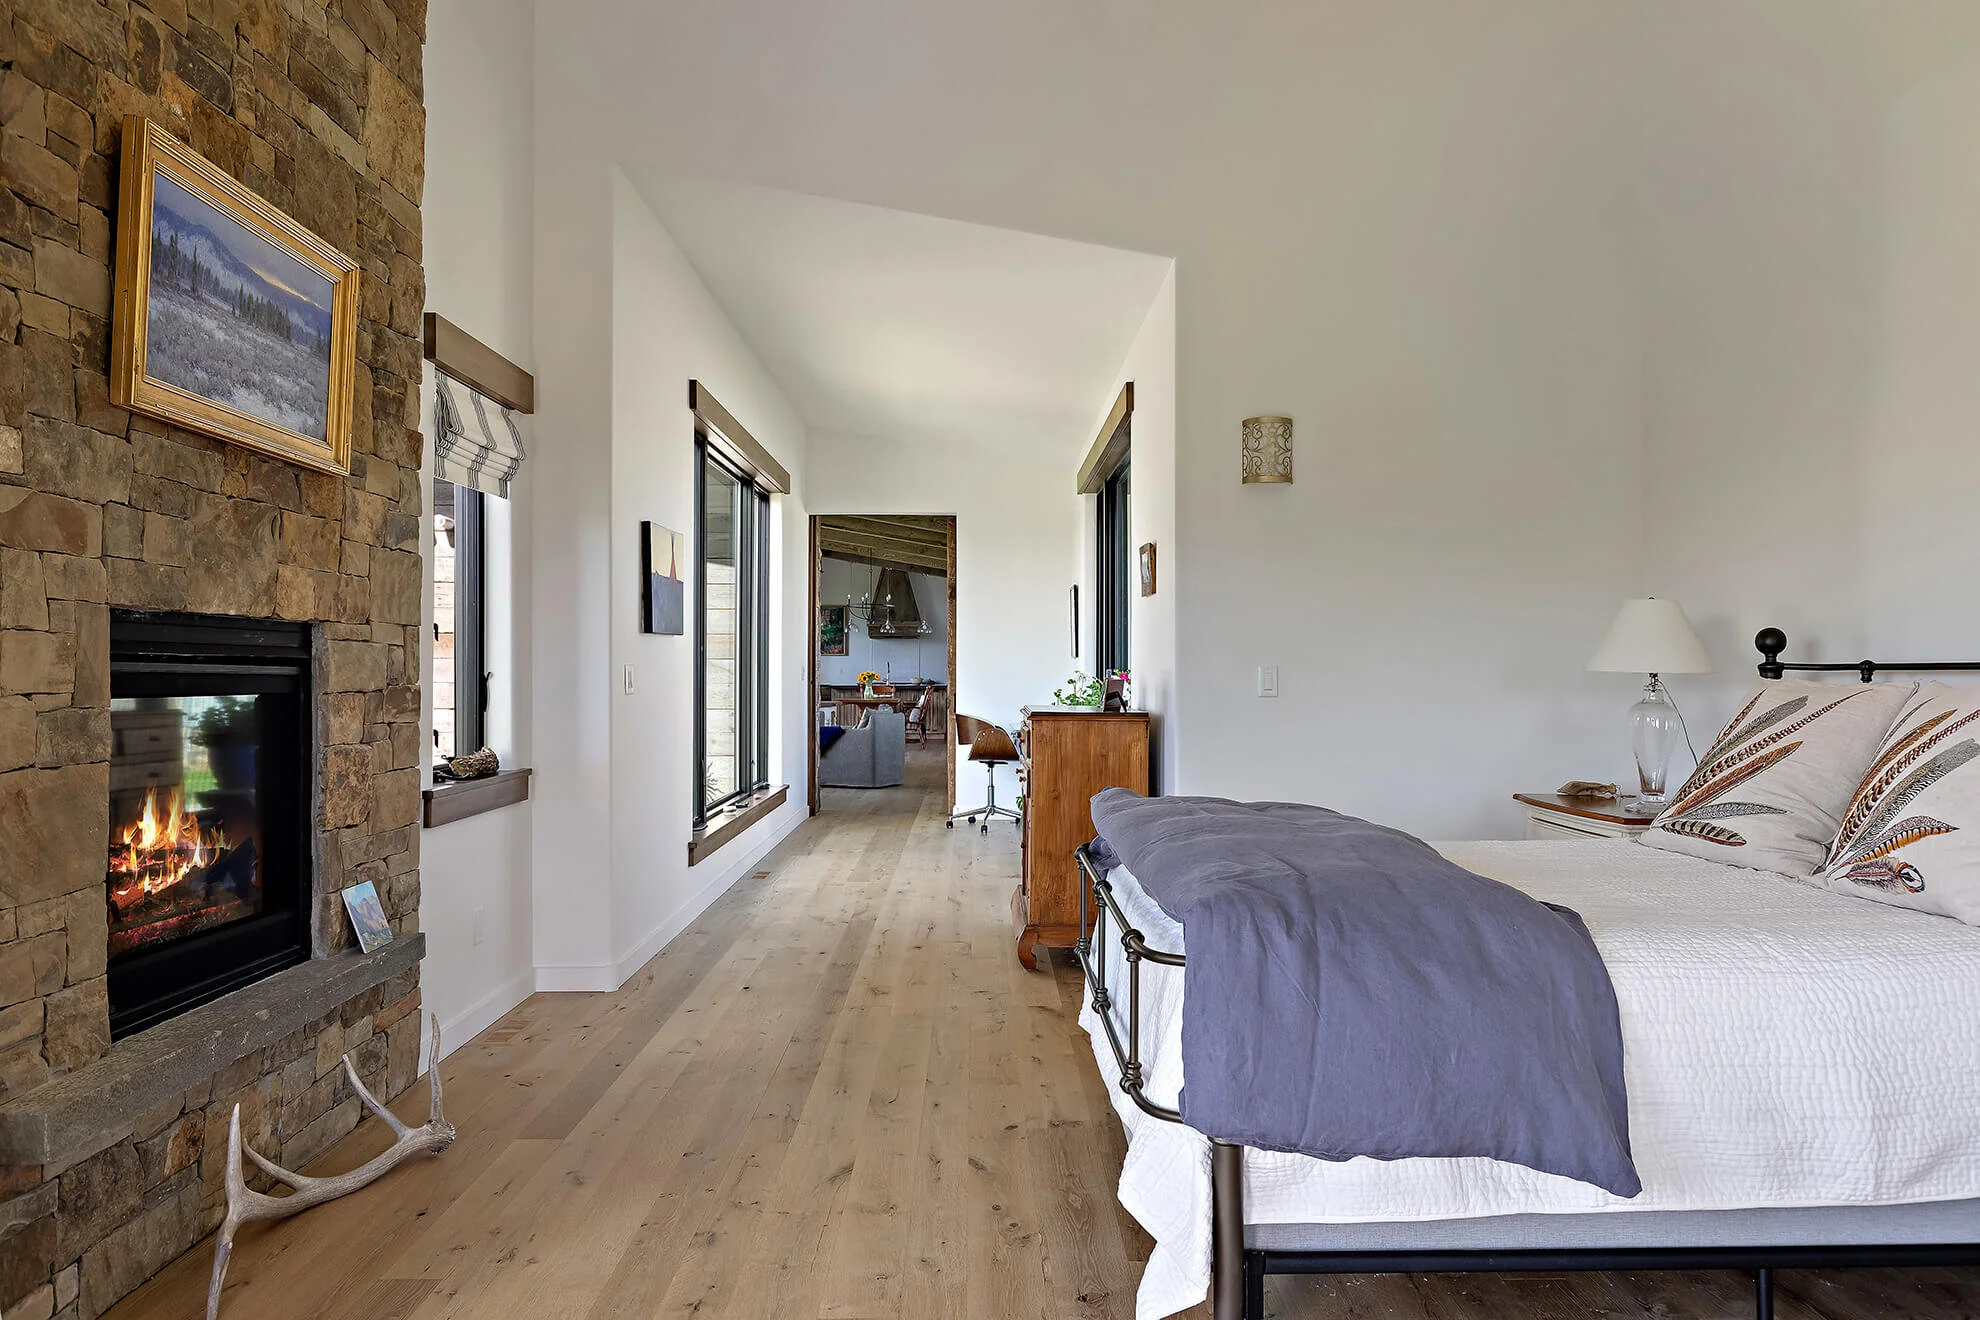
x: 317, y: 106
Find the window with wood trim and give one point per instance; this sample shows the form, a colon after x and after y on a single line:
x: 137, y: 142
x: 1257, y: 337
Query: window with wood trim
x: 732, y: 633
x: 460, y: 616
x: 1113, y: 571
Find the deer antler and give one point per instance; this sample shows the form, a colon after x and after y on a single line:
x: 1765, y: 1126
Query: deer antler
x: 244, y: 1205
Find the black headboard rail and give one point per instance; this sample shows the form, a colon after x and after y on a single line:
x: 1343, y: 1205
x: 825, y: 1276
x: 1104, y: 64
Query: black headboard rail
x: 1772, y: 641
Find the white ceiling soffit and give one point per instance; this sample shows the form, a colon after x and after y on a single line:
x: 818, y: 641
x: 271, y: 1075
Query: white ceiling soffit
x: 910, y: 327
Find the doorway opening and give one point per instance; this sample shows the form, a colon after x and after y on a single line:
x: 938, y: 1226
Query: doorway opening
x: 883, y: 658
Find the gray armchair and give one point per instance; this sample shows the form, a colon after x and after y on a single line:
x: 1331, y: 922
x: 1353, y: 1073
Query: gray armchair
x: 872, y: 756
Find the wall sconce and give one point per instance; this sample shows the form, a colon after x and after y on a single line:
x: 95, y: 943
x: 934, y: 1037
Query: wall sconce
x: 1268, y: 451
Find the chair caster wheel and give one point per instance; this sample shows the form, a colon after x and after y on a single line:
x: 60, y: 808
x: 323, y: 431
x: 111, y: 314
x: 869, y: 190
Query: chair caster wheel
x: 972, y: 820
x: 984, y: 827
x: 949, y: 823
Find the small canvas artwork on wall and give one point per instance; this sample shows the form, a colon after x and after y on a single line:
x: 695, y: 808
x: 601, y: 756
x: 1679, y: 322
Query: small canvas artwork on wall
x: 229, y: 319
x: 1148, y: 568
x: 831, y: 630
x: 663, y: 555
x: 367, y: 916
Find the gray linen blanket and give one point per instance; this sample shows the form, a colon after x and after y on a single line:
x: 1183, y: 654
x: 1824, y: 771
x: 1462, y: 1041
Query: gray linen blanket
x: 1351, y: 992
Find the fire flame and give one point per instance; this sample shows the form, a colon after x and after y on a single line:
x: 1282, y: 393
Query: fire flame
x: 161, y: 848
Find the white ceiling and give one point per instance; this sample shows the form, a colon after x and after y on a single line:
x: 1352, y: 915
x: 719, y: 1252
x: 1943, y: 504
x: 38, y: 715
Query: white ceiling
x: 909, y: 327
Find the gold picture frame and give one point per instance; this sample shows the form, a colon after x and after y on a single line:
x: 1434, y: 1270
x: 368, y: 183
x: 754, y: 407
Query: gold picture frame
x: 254, y: 338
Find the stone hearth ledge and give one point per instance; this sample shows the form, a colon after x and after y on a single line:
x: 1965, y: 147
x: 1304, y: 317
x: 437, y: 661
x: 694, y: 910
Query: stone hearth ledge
x: 78, y: 1114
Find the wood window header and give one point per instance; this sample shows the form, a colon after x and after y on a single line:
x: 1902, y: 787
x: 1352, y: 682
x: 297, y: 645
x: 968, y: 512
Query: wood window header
x: 737, y: 444
x: 1111, y: 445
x: 476, y: 365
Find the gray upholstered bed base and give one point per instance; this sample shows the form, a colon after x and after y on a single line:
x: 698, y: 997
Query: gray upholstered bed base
x: 1925, y: 1222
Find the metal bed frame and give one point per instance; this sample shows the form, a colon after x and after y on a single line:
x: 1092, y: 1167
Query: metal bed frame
x: 1238, y: 1272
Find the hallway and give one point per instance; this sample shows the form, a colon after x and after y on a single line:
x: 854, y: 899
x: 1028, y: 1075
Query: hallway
x: 835, y: 1095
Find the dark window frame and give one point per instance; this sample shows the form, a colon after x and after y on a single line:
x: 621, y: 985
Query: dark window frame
x: 752, y: 540
x: 472, y: 678
x: 1113, y: 570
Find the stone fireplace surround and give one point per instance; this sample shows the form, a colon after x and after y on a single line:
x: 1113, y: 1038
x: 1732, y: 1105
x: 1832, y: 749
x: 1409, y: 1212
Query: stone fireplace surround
x: 111, y: 1156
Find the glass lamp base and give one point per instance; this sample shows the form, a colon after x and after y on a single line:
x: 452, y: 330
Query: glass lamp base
x: 1654, y: 732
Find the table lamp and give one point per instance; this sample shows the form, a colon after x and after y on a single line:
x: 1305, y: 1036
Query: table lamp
x: 1651, y: 636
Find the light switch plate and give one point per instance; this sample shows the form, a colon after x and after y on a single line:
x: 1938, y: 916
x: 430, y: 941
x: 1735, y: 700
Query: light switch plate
x: 1268, y: 680
x: 629, y: 680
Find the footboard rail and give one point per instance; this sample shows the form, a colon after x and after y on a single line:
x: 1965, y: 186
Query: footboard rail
x: 1238, y: 1276
x: 1090, y: 948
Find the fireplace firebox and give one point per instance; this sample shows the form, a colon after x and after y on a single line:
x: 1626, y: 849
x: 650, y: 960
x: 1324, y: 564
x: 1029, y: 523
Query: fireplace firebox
x: 209, y: 878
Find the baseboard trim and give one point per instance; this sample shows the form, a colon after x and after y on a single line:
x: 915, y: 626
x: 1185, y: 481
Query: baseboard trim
x: 485, y: 1012
x: 597, y: 978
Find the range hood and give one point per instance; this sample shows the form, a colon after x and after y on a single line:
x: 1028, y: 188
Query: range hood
x: 895, y: 615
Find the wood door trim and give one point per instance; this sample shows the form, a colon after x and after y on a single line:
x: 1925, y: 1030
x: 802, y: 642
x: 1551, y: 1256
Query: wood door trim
x: 949, y: 722
x: 811, y: 668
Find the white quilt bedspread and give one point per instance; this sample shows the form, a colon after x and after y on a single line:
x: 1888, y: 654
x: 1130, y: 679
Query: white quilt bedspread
x: 1784, y: 1046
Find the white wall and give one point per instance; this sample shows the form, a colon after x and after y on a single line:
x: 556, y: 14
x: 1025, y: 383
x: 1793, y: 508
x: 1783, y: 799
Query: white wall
x: 536, y: 244
x: 1014, y: 508
x: 667, y: 330
x: 911, y: 658
x: 1151, y: 366
x: 1813, y: 325
x: 476, y: 873
x: 1569, y: 299
x: 1448, y: 310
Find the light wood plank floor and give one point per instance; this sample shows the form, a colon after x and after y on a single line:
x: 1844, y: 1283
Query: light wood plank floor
x: 835, y: 1095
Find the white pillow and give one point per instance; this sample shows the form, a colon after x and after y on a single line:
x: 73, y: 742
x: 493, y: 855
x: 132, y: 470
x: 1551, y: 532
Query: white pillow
x: 1911, y: 833
x: 1771, y: 791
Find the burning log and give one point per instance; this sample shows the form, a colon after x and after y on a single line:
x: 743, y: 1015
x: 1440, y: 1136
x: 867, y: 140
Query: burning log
x: 245, y: 1205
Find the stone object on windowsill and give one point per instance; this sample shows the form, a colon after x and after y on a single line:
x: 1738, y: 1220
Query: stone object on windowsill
x: 473, y: 765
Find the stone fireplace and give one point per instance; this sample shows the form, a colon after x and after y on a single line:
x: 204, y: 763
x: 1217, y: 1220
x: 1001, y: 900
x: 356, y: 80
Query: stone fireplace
x: 209, y: 659
x: 208, y: 882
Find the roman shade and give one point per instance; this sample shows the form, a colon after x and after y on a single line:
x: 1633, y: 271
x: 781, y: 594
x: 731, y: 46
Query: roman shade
x: 475, y: 440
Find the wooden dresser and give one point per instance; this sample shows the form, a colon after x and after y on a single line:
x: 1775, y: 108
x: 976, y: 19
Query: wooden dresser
x: 1069, y: 755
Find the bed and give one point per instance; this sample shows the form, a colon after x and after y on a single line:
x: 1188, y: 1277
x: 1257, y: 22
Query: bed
x: 1802, y: 1068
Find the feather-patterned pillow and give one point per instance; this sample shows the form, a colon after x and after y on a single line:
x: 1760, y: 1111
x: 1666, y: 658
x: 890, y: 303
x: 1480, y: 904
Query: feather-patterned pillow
x: 1911, y: 834
x: 1771, y: 791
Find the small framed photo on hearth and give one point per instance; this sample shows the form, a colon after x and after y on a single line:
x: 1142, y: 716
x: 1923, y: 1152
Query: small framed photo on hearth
x: 367, y: 916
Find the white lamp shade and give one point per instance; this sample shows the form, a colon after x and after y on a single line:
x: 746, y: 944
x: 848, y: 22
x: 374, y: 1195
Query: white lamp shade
x: 1650, y: 636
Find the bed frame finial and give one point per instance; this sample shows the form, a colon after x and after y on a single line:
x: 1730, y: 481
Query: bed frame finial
x: 1771, y: 642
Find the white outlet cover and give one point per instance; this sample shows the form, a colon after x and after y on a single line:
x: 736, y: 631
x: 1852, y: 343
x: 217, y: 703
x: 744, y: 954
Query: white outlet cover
x: 1268, y: 680
x: 629, y: 680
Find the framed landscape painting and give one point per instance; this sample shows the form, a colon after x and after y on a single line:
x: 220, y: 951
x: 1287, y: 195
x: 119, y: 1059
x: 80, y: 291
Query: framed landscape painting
x: 230, y: 319
x: 831, y: 630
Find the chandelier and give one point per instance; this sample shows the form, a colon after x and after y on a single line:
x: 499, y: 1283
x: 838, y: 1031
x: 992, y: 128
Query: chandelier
x: 876, y: 606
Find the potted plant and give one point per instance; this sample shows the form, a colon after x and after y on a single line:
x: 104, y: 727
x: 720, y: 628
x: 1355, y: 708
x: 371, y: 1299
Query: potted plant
x: 1087, y: 691
x: 867, y: 678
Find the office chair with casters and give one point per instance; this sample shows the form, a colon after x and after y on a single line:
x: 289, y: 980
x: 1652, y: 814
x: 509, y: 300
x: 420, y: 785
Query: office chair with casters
x: 990, y: 747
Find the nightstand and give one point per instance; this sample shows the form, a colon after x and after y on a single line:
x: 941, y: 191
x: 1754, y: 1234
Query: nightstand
x: 1551, y: 816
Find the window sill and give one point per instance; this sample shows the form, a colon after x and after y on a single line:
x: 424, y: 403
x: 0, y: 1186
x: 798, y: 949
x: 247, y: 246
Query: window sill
x: 731, y: 821
x: 446, y: 803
